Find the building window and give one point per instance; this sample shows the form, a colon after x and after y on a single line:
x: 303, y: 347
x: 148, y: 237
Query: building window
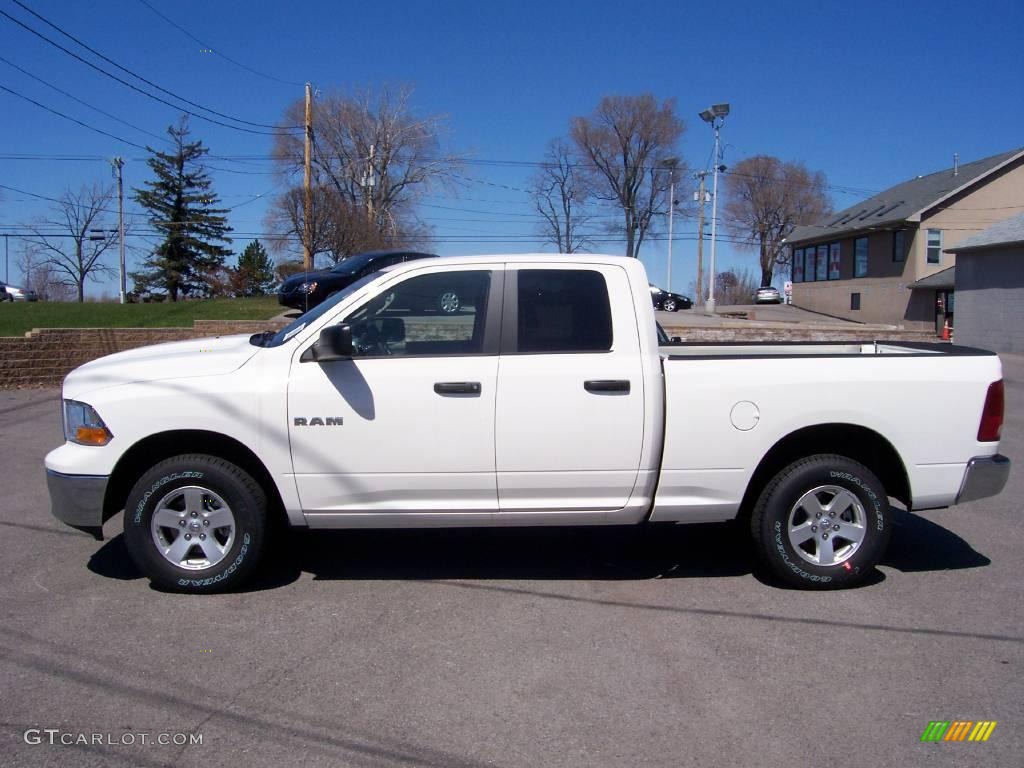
x: 860, y: 257
x: 934, y: 246
x: 809, y: 264
x: 899, y: 245
x: 798, y: 265
x: 833, y: 261
x: 822, y: 272
x: 854, y: 301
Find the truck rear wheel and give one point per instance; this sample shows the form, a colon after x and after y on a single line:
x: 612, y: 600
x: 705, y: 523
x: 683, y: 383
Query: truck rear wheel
x: 196, y: 523
x: 822, y: 523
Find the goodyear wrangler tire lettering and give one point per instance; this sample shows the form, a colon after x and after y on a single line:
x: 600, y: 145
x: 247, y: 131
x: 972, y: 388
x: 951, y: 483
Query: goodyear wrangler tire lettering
x: 822, y: 522
x: 198, y: 524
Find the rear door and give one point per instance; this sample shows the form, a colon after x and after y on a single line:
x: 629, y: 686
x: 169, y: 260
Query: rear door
x: 570, y: 409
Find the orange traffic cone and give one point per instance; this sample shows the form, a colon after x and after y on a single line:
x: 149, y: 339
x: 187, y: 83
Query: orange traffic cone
x: 945, y: 331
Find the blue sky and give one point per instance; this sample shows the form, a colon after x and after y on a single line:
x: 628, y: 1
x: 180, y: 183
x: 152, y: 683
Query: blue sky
x: 870, y: 93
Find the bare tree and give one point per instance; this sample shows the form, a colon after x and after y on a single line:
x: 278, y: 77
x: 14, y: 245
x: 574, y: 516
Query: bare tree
x: 766, y: 199
x: 559, y: 195
x: 623, y: 147
x: 39, y: 275
x: 67, y: 241
x: 734, y: 287
x: 375, y: 156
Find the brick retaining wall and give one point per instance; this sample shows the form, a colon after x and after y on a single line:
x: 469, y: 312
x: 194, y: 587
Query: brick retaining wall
x: 44, y: 357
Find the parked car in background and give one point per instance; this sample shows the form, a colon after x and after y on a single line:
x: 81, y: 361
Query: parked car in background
x: 13, y: 293
x: 669, y: 302
x: 767, y: 295
x: 305, y: 290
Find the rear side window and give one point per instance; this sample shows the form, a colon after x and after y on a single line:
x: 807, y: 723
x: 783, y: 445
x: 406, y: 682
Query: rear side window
x: 563, y: 310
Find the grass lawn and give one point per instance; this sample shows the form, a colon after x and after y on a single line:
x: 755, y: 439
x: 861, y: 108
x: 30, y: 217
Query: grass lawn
x: 18, y: 317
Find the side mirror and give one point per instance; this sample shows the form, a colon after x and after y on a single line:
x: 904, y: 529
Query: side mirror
x: 335, y: 343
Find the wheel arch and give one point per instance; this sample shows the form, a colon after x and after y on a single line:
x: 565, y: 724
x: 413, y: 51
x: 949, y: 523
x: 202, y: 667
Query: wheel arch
x: 155, y: 448
x: 853, y: 441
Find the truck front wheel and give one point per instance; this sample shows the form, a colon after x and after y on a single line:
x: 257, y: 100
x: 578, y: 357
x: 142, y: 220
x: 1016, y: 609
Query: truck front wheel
x: 822, y: 522
x: 196, y: 523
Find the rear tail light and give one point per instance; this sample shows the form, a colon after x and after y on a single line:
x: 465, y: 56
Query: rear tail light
x: 992, y: 415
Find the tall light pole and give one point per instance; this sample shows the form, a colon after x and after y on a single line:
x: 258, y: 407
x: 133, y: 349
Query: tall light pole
x: 715, y: 117
x: 671, y: 163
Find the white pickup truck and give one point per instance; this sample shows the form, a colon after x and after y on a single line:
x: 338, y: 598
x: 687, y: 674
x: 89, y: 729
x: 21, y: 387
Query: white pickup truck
x: 546, y: 400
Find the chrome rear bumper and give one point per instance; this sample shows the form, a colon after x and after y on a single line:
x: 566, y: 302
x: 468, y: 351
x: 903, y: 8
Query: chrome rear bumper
x: 985, y: 476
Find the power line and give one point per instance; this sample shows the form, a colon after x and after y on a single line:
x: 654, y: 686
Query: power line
x: 66, y: 117
x: 214, y: 50
x: 80, y: 101
x: 139, y: 77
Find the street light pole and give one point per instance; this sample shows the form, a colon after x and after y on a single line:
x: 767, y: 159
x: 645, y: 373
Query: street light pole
x: 715, y: 116
x: 671, y: 163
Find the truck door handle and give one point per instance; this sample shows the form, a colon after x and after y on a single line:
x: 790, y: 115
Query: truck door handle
x: 607, y: 385
x: 457, y: 387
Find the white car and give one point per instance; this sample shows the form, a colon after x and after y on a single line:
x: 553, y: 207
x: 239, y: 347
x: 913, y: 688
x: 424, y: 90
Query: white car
x: 13, y: 293
x: 548, y: 401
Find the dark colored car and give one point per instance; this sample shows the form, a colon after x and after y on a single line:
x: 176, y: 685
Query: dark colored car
x: 669, y: 302
x: 307, y: 289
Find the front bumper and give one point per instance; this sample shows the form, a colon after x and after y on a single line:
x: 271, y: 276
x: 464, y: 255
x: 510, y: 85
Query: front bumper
x: 77, y: 500
x: 985, y: 476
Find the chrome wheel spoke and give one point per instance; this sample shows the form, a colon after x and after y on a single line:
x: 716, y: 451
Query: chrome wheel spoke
x: 194, y: 500
x: 801, y: 533
x: 167, y: 518
x: 841, y: 503
x: 219, y: 518
x: 850, y: 532
x: 826, y: 551
x: 211, y: 548
x: 178, y: 549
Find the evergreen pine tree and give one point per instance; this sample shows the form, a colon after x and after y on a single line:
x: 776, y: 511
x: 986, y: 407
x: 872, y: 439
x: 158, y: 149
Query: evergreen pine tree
x: 255, y: 270
x: 181, y: 207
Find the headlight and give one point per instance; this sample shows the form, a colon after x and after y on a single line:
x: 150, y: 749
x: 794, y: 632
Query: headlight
x: 83, y: 425
x: 308, y: 287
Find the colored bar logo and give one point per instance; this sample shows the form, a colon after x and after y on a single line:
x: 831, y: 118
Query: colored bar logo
x: 958, y: 730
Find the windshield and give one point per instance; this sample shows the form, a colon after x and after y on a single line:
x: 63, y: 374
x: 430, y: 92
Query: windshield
x: 269, y: 339
x: 353, y: 263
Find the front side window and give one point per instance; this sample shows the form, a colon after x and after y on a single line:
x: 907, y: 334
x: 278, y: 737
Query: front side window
x: 428, y: 315
x: 860, y: 257
x: 934, y: 246
x: 563, y: 310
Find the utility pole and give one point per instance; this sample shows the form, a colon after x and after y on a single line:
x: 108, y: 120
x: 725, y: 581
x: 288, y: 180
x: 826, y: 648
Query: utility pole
x: 118, y: 164
x: 7, y: 259
x: 307, y: 204
x: 701, y: 197
x: 369, y: 182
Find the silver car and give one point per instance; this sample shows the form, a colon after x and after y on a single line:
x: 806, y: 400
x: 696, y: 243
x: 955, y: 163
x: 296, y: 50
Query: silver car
x: 13, y: 293
x: 767, y: 295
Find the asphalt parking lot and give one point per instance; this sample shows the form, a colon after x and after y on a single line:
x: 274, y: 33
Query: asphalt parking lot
x: 509, y: 647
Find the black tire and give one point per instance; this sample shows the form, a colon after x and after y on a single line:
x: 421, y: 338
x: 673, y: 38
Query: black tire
x: 787, y: 510
x: 669, y: 305
x: 220, y: 484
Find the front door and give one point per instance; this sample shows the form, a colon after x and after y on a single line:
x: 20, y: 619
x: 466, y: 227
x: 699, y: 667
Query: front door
x: 407, y: 425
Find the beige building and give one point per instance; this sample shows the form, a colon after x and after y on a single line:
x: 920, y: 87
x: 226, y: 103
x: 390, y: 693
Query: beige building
x: 862, y: 263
